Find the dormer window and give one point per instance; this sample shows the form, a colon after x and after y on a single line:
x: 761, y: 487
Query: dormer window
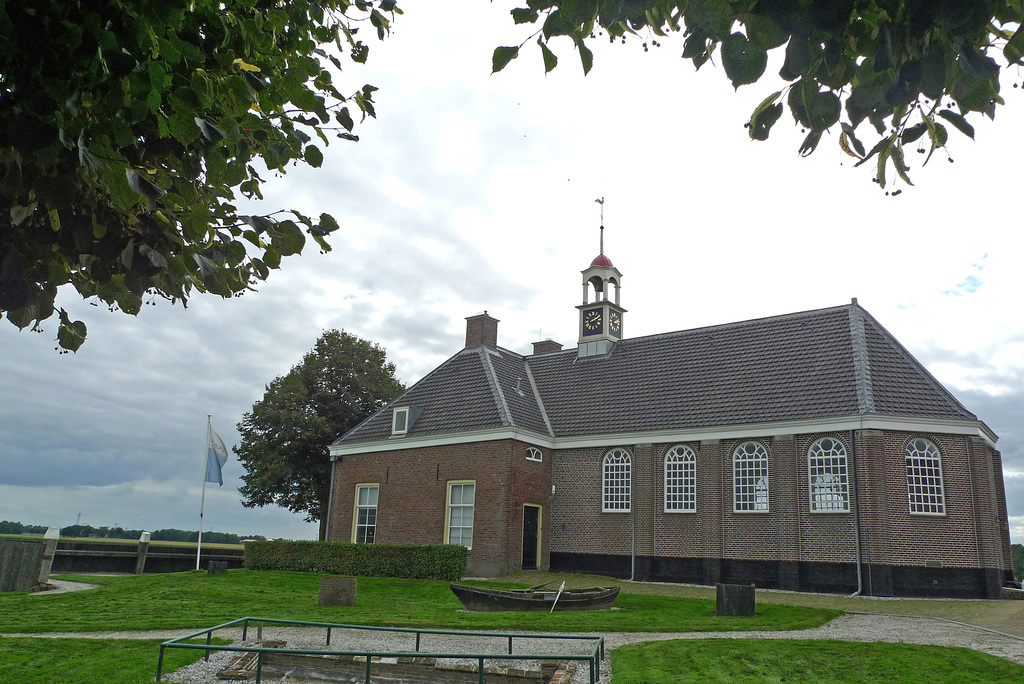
x: 400, y: 421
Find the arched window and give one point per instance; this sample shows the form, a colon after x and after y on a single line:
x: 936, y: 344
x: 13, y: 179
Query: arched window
x: 680, y: 480
x: 750, y: 478
x: 924, y: 478
x: 827, y: 477
x: 534, y: 454
x: 616, y: 482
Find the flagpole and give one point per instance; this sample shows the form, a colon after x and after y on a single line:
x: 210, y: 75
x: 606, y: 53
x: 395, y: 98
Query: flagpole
x: 206, y: 469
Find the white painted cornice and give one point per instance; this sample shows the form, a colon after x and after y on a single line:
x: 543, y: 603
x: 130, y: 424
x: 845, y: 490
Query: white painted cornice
x: 970, y: 428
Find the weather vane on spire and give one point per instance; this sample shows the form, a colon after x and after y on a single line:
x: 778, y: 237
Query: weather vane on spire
x: 601, y: 202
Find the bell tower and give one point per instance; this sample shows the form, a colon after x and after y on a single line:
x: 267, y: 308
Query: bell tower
x: 601, y: 313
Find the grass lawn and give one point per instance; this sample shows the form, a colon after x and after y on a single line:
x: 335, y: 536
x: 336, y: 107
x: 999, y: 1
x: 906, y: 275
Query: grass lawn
x: 87, y: 661
x: 197, y: 599
x: 192, y: 600
x: 1002, y: 616
x: 812, y: 661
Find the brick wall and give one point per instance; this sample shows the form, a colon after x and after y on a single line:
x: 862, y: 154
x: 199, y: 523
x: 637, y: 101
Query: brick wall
x: 789, y: 531
x: 805, y: 547
x: 413, y: 489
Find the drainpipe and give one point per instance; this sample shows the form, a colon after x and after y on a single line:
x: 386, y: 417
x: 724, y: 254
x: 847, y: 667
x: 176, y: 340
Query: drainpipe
x: 856, y: 516
x: 632, y: 519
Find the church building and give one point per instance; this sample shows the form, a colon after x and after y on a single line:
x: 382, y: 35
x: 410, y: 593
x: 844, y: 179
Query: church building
x: 807, y: 451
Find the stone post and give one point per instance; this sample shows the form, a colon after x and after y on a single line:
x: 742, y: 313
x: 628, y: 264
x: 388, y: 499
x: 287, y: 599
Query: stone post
x: 140, y: 562
x: 49, y: 549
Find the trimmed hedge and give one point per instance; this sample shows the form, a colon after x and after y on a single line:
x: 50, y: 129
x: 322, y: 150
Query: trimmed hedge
x: 413, y: 561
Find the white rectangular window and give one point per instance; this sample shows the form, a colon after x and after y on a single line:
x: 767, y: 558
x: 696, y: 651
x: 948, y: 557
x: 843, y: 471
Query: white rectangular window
x: 924, y: 478
x: 459, y: 528
x: 364, y: 527
x: 750, y: 478
x: 680, y: 480
x: 400, y: 421
x: 827, y: 477
x: 616, y: 482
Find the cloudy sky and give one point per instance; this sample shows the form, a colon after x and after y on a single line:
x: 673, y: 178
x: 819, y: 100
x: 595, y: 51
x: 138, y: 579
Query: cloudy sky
x: 475, y: 192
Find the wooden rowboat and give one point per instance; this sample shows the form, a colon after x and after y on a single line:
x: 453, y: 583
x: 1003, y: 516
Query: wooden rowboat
x: 478, y: 599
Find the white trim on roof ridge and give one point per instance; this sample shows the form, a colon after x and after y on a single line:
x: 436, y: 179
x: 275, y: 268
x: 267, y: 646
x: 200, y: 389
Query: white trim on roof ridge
x: 499, y: 394
x: 861, y: 363
x: 538, y: 398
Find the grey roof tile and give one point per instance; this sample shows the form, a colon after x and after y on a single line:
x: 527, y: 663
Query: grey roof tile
x: 816, y: 364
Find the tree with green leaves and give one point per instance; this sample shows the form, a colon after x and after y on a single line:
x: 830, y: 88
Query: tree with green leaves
x: 1018, y: 561
x: 285, y: 438
x: 909, y: 68
x: 128, y: 128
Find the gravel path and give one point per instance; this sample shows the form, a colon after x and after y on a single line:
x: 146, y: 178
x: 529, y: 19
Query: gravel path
x: 847, y: 627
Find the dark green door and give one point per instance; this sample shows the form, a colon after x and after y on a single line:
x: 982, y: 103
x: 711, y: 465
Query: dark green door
x: 531, y: 536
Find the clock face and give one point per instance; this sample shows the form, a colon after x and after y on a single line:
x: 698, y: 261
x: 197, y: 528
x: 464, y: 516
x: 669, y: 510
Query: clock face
x: 592, y: 322
x: 615, y: 323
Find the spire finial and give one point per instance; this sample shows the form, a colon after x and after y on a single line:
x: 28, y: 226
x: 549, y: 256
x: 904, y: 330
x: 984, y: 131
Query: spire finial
x: 601, y: 202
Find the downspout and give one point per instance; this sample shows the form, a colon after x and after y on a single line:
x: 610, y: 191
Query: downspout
x: 856, y: 516
x: 632, y: 520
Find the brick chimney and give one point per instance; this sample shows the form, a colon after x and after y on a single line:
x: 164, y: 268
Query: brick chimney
x: 546, y: 347
x: 481, y: 330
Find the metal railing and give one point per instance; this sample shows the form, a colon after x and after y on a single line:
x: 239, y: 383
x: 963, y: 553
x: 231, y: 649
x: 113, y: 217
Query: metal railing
x: 593, y: 659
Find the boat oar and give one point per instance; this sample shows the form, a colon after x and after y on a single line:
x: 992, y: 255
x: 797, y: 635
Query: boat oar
x: 557, y: 596
x: 540, y: 585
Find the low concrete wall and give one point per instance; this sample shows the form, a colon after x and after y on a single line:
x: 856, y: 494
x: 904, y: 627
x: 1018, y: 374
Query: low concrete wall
x: 97, y: 557
x: 20, y: 562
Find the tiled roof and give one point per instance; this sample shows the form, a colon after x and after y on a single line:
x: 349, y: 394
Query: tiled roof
x: 816, y: 364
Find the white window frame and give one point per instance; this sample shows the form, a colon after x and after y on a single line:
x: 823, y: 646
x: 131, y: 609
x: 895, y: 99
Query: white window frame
x: 359, y: 506
x: 925, y: 490
x: 616, y: 481
x: 828, y: 481
x: 680, y: 480
x: 534, y: 454
x: 400, y: 420
x: 455, y: 512
x: 750, y: 485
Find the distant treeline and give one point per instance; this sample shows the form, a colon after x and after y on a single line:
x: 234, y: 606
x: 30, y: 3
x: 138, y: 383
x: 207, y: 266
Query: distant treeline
x: 88, y: 531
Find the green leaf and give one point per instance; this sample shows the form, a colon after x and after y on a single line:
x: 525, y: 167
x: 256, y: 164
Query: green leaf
x: 155, y: 257
x: 550, y: 61
x: 143, y: 186
x: 911, y: 134
x: 899, y: 164
x: 70, y: 334
x: 958, y: 122
x: 810, y: 143
x: 823, y: 110
x: 586, y: 57
x: 524, y: 16
x: 765, y: 31
x: 1014, y: 48
x: 206, y: 266
x: 313, y: 156
x: 858, y: 146
x: 764, y: 117
x: 20, y: 213
x: 501, y: 57
x: 287, y: 237
x: 743, y: 60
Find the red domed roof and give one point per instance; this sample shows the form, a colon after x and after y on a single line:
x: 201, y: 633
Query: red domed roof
x: 602, y: 260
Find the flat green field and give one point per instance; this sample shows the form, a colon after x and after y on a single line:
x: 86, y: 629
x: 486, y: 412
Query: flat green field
x: 192, y: 600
